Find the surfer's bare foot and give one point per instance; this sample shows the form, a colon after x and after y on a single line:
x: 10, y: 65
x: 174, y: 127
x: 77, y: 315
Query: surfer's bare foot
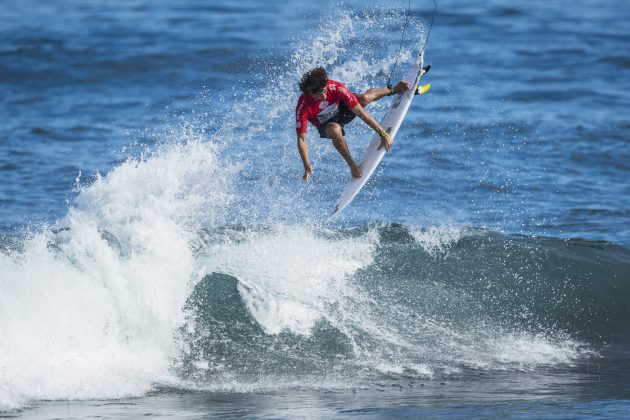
x: 399, y: 88
x: 356, y: 171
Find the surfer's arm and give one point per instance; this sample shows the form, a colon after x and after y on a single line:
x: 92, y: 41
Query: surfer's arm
x: 386, y: 141
x: 303, y: 149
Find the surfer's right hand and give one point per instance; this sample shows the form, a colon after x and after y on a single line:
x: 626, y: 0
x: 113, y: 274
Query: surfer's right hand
x: 308, y: 170
x: 386, y: 142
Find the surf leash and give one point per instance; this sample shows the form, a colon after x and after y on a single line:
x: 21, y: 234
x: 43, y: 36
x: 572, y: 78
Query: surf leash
x: 402, y: 38
x: 430, y: 27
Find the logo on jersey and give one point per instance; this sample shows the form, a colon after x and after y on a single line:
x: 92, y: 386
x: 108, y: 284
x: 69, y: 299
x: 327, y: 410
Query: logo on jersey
x: 327, y: 113
x: 323, y: 104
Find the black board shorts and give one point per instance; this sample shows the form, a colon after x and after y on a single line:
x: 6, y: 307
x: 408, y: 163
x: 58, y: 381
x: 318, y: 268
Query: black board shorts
x: 343, y: 116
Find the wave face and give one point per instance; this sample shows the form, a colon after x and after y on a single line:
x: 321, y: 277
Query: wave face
x: 289, y: 305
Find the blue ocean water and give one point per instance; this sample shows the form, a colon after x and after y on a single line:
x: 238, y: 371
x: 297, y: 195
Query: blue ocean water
x: 159, y: 253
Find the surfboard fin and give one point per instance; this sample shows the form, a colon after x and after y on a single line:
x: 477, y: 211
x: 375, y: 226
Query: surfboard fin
x: 423, y: 89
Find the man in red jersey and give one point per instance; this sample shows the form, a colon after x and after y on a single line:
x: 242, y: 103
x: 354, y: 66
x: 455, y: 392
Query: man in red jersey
x: 329, y: 105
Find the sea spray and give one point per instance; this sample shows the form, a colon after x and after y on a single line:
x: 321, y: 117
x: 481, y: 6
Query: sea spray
x: 260, y: 128
x: 89, y: 307
x: 437, y: 240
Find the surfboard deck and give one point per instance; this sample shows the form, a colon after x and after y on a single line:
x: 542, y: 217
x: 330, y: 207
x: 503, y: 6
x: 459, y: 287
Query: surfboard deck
x: 391, y: 123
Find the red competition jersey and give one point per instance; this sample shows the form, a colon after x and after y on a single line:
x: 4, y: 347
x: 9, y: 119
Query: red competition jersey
x: 318, y: 111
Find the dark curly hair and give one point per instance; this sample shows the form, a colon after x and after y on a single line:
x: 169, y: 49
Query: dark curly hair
x: 314, y: 80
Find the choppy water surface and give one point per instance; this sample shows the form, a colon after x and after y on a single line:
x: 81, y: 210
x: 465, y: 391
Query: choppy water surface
x: 160, y: 255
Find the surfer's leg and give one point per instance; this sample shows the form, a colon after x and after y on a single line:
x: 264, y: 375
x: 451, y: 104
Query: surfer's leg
x: 378, y: 93
x: 372, y: 95
x: 333, y: 131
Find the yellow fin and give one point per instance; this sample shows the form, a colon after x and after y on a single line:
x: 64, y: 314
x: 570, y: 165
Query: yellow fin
x: 423, y: 89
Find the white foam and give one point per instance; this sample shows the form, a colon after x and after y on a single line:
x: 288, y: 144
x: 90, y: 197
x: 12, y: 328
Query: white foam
x: 418, y: 370
x: 91, y: 311
x: 437, y: 240
x: 528, y: 351
x: 290, y: 274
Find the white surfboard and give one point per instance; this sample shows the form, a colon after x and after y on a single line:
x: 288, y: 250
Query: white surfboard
x: 374, y: 153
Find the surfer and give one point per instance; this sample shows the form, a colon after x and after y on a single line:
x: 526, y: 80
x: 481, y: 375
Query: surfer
x: 329, y: 106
